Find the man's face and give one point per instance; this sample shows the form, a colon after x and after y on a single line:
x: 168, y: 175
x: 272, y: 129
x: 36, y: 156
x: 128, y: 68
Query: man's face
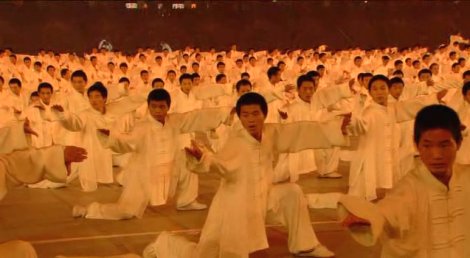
x: 97, y: 101
x: 37, y: 68
x: 34, y: 100
x: 159, y: 61
x: 437, y: 149
x: 456, y: 69
x: 123, y: 69
x: 435, y: 69
x: 94, y: 61
x: 15, y: 88
x: 171, y: 76
x: 27, y: 62
x: 13, y: 59
x: 223, y: 80
x: 379, y: 92
x: 111, y: 67
x: 144, y: 77
x: 221, y: 68
x: 276, y: 78
x: 79, y: 84
x: 244, y: 89
x: 417, y: 65
x: 195, y: 68
x: 196, y: 81
x: 252, y: 119
x: 158, y: 110
x: 358, y: 62
x: 396, y: 90
x: 306, y: 91
x: 186, y: 85
x: 158, y: 85
x: 466, y: 78
x: 51, y: 71
x: 424, y: 77
x: 45, y: 95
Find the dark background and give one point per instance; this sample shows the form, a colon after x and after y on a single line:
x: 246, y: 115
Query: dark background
x: 27, y: 26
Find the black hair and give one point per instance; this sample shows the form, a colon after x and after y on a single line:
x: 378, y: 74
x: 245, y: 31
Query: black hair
x: 195, y: 75
x: 395, y: 80
x: 123, y: 65
x: 437, y: 116
x: 124, y: 79
x: 63, y: 71
x: 15, y: 81
x: 143, y: 71
x: 252, y: 98
x: 245, y: 74
x: 159, y: 95
x: 423, y: 71
x: 219, y: 77
x: 220, y: 64
x: 99, y: 87
x: 312, y: 74
x: 170, y: 71
x: 398, y: 72
x: 34, y: 94
x: 45, y: 85
x: 80, y: 73
x: 466, y: 73
x: 273, y: 71
x: 304, y: 78
x: 185, y: 76
x: 378, y: 77
x: 455, y: 65
x: 465, y: 88
x: 241, y: 83
x: 157, y: 80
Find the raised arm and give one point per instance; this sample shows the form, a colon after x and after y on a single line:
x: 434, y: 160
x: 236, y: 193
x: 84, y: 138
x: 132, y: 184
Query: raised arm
x: 200, y: 120
x: 297, y: 136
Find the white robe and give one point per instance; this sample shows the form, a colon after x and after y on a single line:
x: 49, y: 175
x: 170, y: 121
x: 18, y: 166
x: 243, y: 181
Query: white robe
x: 419, y: 218
x: 245, y: 194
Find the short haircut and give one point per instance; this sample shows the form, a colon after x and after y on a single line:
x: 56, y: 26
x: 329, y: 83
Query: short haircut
x: 304, y: 78
x: 398, y: 72
x: 34, y: 94
x: 185, y: 76
x: 378, y: 77
x: 395, y: 80
x: 124, y: 79
x: 99, y: 87
x: 252, y: 98
x: 81, y: 74
x: 424, y: 71
x: 220, y: 64
x: 144, y: 72
x: 241, y: 83
x: 122, y: 65
x: 398, y: 62
x: 245, y: 74
x: 312, y: 74
x: 273, y: 71
x: 37, y: 63
x: 219, y: 77
x: 320, y: 67
x: 15, y: 81
x: 45, y: 85
x: 195, y: 75
x: 171, y: 71
x: 159, y: 95
x: 466, y: 73
x: 455, y: 65
x: 465, y: 88
x: 63, y: 71
x: 437, y: 117
x: 157, y: 80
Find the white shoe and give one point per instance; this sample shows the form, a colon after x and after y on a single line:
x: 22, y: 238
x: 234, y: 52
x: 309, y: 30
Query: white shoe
x: 151, y: 250
x: 319, y: 251
x: 331, y: 175
x: 79, y: 211
x: 194, y: 206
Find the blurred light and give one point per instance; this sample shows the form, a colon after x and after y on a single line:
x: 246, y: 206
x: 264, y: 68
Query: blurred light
x: 193, y: 6
x: 132, y: 5
x: 365, y: 2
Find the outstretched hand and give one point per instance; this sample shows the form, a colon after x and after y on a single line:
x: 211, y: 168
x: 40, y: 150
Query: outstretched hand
x: 27, y: 128
x: 194, y: 150
x: 103, y: 131
x: 57, y: 108
x: 352, y: 220
x: 346, y: 122
x: 73, y: 154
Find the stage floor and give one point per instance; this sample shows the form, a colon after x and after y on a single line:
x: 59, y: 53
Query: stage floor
x: 43, y: 217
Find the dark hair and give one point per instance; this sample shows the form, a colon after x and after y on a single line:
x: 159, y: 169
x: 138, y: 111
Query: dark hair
x: 15, y: 81
x: 397, y: 72
x: 37, y: 63
x: 45, y: 85
x: 122, y: 65
x: 378, y: 77
x: 219, y: 77
x: 159, y: 95
x: 465, y: 88
x: 245, y: 74
x: 124, y: 79
x: 2, y: 79
x: 395, y: 80
x: 79, y: 73
x: 185, y: 76
x: 252, y: 98
x: 397, y: 62
x: 312, y: 74
x: 466, y: 73
x: 241, y: 83
x: 99, y: 87
x: 423, y: 71
x: 437, y: 116
x: 157, y: 80
x: 34, y: 94
x: 455, y: 64
x: 302, y: 79
x: 143, y: 71
x: 220, y: 64
x: 171, y: 71
x: 273, y: 71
